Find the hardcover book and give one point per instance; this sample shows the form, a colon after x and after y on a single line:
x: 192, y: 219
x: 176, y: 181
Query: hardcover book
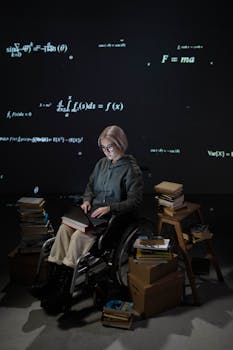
x: 78, y: 219
x: 167, y: 187
x: 158, y: 243
x: 31, y: 202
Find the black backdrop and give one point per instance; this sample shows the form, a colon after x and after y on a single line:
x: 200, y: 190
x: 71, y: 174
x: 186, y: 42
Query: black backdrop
x: 161, y: 72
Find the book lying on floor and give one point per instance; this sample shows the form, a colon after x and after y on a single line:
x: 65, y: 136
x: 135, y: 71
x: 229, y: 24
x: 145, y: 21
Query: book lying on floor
x: 76, y: 218
x: 118, y: 313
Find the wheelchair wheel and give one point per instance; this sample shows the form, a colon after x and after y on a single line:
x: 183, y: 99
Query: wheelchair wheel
x: 125, y: 248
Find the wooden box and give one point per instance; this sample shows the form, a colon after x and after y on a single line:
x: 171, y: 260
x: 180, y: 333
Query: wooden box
x: 149, y: 273
x: 155, y: 298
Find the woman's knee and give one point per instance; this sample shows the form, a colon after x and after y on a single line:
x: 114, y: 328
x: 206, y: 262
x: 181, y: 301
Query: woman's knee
x: 64, y: 232
x: 77, y: 235
x: 64, y: 229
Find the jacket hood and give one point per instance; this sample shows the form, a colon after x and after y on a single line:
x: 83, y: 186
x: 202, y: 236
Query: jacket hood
x: 126, y: 159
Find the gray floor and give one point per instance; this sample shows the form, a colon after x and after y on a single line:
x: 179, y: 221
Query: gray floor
x: 24, y: 325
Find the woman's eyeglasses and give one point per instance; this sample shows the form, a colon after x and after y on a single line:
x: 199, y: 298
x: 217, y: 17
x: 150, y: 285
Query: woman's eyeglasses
x: 108, y: 148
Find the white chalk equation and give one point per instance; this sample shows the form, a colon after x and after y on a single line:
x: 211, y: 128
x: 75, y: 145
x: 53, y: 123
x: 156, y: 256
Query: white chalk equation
x: 220, y: 154
x: 69, y: 106
x: 109, y: 45
x: 18, y: 115
x: 41, y: 139
x: 177, y: 59
x: 163, y: 150
x: 17, y: 49
x: 189, y: 47
x: 182, y: 59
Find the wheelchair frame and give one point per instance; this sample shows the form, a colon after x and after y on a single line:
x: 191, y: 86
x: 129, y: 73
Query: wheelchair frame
x: 114, y: 259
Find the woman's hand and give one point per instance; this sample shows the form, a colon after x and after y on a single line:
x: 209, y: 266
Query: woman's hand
x: 86, y: 206
x: 100, y: 212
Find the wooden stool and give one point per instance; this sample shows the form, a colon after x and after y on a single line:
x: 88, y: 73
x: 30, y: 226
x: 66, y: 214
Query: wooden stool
x: 185, y: 245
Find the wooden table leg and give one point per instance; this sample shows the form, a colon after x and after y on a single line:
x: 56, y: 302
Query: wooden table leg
x: 187, y: 262
x: 214, y: 259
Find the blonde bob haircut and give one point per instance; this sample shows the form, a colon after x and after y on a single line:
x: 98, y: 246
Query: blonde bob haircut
x: 116, y: 136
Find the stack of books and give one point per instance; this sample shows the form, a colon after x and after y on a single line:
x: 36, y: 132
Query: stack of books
x: 118, y: 313
x: 154, y: 251
x: 35, y: 226
x: 170, y: 197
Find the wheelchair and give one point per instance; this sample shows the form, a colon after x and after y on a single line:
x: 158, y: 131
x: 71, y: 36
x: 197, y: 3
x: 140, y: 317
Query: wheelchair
x: 107, y: 257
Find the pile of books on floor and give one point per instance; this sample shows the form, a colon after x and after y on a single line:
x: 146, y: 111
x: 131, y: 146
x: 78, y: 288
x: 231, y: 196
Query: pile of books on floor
x: 170, y: 197
x: 118, y: 313
x: 156, y: 250
x: 35, y: 226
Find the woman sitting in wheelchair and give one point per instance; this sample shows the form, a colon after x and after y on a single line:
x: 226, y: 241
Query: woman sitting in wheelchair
x: 114, y: 187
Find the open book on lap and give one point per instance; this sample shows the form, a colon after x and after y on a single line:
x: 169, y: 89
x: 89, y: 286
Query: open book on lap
x: 76, y: 218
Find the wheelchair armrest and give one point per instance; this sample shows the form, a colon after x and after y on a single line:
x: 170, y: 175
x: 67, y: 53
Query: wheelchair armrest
x: 45, y: 249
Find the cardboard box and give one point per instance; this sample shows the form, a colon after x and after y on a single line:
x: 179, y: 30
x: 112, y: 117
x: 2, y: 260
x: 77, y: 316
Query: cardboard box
x: 150, y: 273
x: 22, y: 267
x: 154, y: 298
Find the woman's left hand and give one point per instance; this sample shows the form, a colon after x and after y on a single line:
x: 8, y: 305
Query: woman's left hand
x: 100, y: 212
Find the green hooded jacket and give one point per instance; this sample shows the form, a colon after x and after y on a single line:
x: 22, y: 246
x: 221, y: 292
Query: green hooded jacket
x: 118, y: 185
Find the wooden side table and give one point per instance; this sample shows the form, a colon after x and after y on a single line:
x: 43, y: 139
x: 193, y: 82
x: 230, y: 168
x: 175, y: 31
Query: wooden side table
x: 176, y: 221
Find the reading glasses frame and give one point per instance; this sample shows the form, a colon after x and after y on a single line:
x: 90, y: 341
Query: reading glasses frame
x: 108, y: 148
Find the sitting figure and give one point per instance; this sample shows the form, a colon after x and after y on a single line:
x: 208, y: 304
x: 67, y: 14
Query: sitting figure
x: 114, y: 187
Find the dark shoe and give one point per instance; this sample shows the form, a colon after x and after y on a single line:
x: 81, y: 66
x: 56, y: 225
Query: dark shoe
x: 39, y: 290
x: 59, y: 299
x: 56, y: 303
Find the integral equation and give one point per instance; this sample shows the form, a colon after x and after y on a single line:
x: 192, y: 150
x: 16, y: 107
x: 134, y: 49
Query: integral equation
x: 70, y: 106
